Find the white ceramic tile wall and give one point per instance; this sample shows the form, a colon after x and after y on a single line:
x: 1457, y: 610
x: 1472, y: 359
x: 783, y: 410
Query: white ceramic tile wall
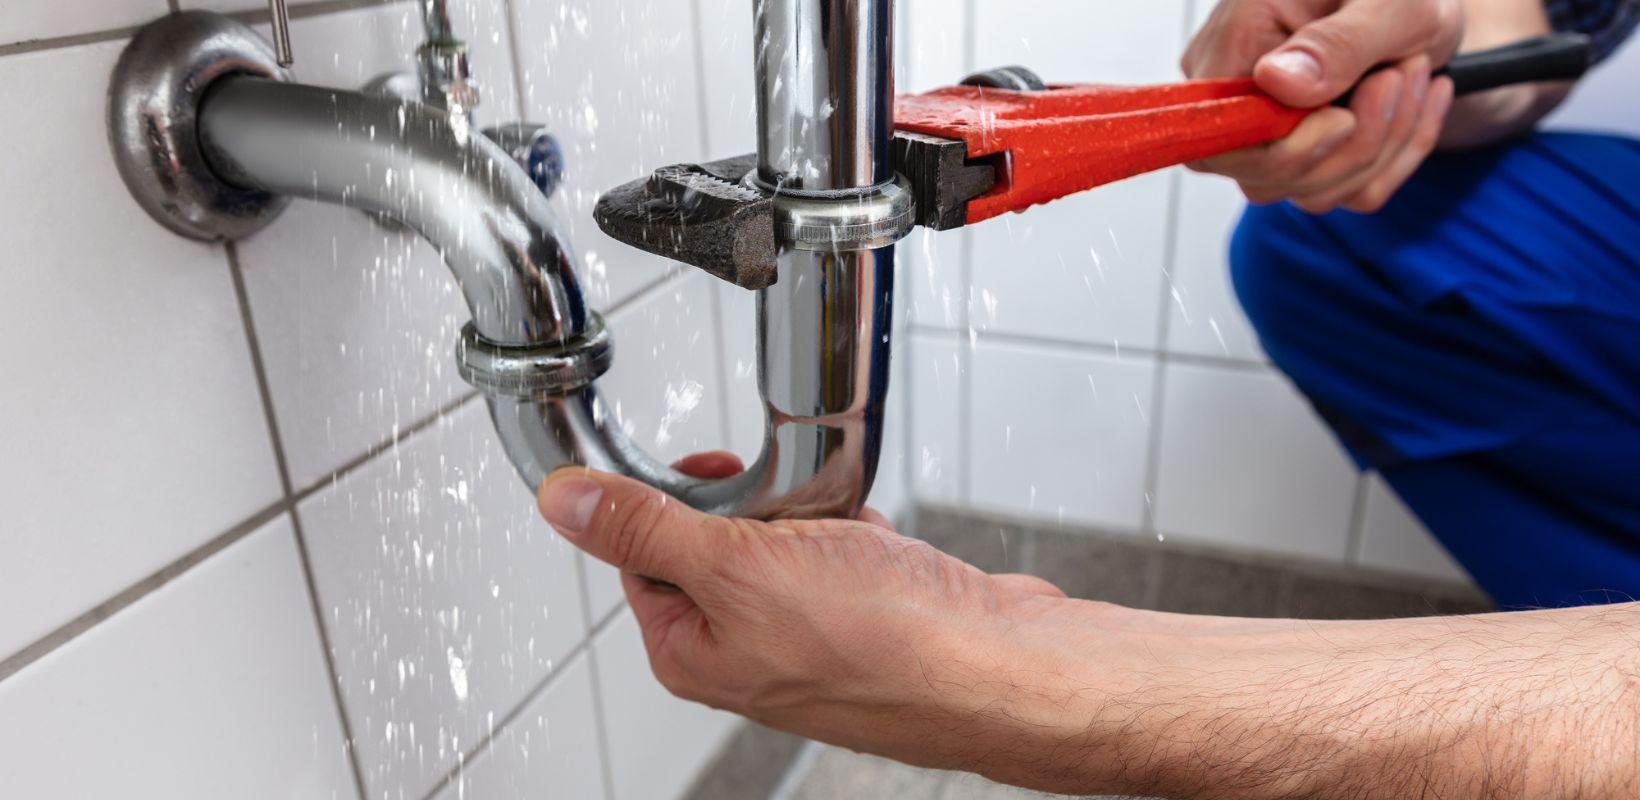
x: 356, y: 321
x: 549, y: 751
x: 212, y: 686
x: 1205, y: 317
x: 105, y: 486
x: 447, y: 598
x: 616, y: 82
x: 105, y: 476
x: 1245, y: 462
x: 425, y: 557
x: 28, y: 20
x: 1084, y: 464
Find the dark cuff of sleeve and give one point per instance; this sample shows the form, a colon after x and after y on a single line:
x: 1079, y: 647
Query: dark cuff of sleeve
x: 1608, y: 22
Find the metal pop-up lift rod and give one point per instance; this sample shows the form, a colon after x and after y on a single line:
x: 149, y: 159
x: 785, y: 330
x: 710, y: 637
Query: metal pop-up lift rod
x: 212, y: 138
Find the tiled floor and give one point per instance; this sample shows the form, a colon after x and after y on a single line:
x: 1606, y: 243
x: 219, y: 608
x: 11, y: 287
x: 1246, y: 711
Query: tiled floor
x: 760, y: 764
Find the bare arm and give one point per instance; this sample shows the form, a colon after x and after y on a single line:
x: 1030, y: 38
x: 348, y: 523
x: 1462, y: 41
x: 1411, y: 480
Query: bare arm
x: 848, y: 633
x: 1496, y: 115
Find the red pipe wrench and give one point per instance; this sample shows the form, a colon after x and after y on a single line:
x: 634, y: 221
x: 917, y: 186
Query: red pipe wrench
x: 1004, y: 141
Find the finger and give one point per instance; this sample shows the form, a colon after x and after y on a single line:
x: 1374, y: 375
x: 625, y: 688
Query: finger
x: 1285, y: 160
x: 1324, y: 58
x: 1405, y: 121
x: 630, y: 525
x: 711, y: 466
x: 1375, y: 106
x: 1027, y: 585
x: 1423, y: 141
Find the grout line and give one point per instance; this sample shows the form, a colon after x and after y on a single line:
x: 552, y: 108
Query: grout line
x: 377, y: 449
x: 517, y: 60
x: 147, y: 585
x: 61, y: 42
x: 472, y: 754
x: 263, y: 389
x: 721, y: 336
x: 131, y: 594
x: 1356, y: 539
x: 585, y: 646
x: 965, y: 268
x: 312, y: 9
x: 349, y: 743
x: 1093, y: 348
x: 1158, y: 385
x: 174, y: 5
x: 253, y: 343
x: 600, y: 723
x: 721, y: 332
x: 297, y: 11
x: 697, y: 19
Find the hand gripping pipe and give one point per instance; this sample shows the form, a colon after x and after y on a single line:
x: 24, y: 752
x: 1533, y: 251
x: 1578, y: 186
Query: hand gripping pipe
x: 197, y: 98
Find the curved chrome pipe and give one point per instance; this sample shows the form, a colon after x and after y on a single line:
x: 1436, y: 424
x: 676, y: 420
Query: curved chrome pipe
x: 418, y: 165
x: 823, y: 328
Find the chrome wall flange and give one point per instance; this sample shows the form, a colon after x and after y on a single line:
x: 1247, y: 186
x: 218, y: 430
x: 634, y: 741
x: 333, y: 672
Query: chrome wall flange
x: 153, y: 111
x: 557, y: 369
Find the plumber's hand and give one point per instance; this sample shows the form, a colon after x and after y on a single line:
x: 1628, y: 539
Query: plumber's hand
x: 839, y: 630
x: 1307, y: 53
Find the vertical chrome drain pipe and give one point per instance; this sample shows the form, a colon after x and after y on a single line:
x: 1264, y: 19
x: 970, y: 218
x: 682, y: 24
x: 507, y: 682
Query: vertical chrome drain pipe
x: 825, y: 94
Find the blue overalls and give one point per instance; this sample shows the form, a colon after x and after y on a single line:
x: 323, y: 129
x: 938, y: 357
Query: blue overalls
x: 1478, y: 343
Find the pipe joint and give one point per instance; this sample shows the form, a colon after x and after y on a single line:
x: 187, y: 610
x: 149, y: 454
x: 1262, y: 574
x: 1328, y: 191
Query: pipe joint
x: 553, y: 369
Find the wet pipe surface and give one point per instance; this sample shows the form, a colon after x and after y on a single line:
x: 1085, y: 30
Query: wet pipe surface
x: 1067, y: 139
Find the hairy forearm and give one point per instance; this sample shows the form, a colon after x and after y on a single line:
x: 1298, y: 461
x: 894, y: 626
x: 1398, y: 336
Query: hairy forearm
x: 1500, y: 114
x: 1540, y: 705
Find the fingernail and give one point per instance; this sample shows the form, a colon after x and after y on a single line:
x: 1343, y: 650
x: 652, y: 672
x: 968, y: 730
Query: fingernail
x: 568, y: 504
x: 1296, y: 63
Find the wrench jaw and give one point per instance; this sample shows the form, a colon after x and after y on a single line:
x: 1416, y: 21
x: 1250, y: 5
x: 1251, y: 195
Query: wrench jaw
x: 703, y: 215
x: 942, y: 177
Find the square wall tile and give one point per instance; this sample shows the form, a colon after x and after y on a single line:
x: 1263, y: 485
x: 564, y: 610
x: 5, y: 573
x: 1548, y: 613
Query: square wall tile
x: 657, y: 742
x: 133, y: 431
x: 936, y: 286
x: 213, y: 686
x: 1206, y: 316
x: 1393, y: 539
x: 448, y: 599
x: 664, y: 389
x: 358, y: 323
x: 1088, y: 268
x: 27, y: 20
x: 933, y: 44
x: 936, y: 384
x: 1059, y: 434
x: 616, y: 83
x: 731, y: 88
x: 747, y: 414
x: 1073, y: 41
x: 1246, y: 463
x: 549, y: 750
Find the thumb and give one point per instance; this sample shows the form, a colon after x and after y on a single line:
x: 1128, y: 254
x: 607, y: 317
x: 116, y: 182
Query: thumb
x: 630, y: 525
x: 1323, y: 59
